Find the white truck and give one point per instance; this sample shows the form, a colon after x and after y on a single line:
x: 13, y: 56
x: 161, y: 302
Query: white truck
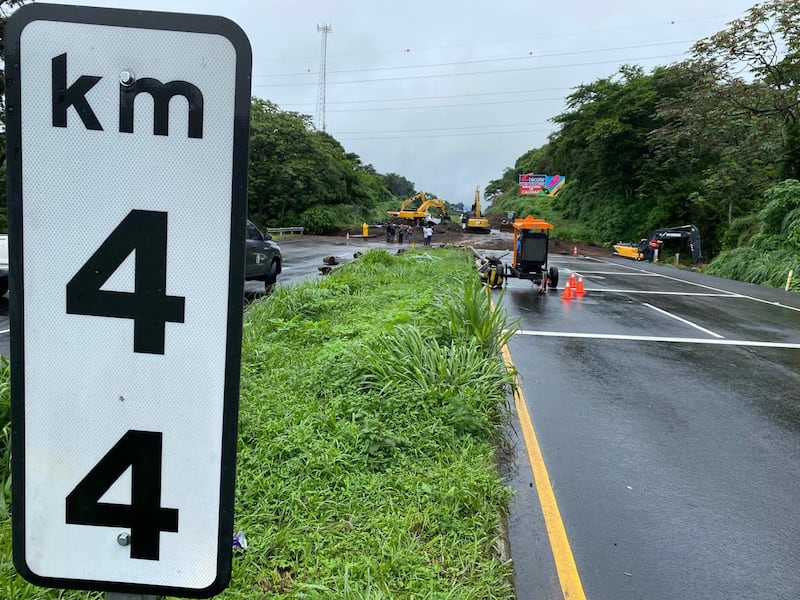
x: 3, y: 264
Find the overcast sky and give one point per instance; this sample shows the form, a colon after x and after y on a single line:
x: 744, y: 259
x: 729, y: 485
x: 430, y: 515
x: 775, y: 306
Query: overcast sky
x: 446, y: 93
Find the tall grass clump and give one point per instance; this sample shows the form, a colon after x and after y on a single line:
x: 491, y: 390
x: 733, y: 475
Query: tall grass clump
x: 473, y: 319
x: 764, y: 247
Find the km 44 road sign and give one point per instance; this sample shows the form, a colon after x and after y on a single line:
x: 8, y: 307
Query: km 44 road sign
x: 127, y: 148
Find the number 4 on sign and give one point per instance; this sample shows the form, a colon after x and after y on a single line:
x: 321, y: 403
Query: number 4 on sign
x: 146, y: 518
x: 148, y: 305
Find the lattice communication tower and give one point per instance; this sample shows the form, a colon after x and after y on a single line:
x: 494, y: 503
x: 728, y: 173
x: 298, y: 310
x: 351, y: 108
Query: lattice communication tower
x: 320, y: 117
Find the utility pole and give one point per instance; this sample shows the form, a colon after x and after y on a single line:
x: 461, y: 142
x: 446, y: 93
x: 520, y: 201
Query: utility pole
x: 324, y: 30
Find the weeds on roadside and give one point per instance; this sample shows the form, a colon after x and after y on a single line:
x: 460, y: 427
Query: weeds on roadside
x: 471, y: 317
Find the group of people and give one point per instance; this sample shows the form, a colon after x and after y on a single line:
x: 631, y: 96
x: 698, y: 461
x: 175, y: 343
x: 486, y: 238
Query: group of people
x: 648, y: 248
x: 403, y: 232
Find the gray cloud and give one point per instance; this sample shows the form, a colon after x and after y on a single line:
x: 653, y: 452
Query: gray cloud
x: 395, y: 97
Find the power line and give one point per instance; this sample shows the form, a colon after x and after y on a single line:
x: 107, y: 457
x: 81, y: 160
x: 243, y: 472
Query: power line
x: 390, y: 108
x: 530, y: 56
x: 447, y: 135
x: 556, y: 89
x: 438, y: 128
x: 560, y: 35
x: 534, y: 68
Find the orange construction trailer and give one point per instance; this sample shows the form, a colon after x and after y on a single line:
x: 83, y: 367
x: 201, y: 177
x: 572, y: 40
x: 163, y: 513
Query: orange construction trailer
x: 531, y: 239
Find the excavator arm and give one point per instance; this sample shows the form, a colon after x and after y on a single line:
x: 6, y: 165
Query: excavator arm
x: 421, y: 212
x: 690, y: 233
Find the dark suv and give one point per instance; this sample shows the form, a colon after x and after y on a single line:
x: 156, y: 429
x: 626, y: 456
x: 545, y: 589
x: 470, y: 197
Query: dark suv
x: 263, y: 257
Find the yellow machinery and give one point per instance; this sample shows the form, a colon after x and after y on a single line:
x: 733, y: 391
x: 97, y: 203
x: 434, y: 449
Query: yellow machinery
x: 473, y: 220
x: 690, y: 233
x: 420, y: 214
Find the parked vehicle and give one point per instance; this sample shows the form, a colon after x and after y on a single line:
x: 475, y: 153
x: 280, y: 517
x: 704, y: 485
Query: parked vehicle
x: 263, y: 259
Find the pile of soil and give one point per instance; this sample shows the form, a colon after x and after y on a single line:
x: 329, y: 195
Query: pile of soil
x: 501, y: 238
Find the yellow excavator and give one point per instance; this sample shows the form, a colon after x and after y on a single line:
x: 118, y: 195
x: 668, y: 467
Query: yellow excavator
x: 420, y: 214
x: 473, y: 220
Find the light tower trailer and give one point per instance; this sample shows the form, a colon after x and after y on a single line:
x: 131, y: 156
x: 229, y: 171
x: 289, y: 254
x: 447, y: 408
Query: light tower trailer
x: 531, y: 239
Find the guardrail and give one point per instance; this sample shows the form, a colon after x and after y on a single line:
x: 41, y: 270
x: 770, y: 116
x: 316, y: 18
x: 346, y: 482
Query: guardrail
x: 286, y: 230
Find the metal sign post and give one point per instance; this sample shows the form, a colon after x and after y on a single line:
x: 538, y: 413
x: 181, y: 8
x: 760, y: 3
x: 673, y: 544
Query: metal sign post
x: 127, y: 166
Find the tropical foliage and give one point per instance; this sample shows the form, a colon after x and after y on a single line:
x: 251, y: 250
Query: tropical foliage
x: 301, y: 176
x: 298, y: 176
x: 705, y: 141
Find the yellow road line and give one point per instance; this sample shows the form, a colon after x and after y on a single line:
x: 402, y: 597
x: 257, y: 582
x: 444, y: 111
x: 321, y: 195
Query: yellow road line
x: 562, y: 554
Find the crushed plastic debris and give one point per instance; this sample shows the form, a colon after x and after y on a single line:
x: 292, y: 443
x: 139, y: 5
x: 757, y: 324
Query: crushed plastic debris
x: 239, y: 541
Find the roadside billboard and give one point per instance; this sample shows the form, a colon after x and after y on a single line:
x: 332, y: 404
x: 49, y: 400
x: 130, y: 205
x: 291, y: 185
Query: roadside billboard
x: 531, y: 184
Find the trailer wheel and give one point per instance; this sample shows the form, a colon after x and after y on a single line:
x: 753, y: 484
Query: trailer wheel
x: 552, y: 277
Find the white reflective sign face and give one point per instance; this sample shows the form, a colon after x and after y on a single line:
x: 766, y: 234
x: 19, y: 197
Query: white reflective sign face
x: 127, y: 216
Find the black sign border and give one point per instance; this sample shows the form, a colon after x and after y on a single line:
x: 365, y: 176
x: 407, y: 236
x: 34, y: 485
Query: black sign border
x: 143, y: 20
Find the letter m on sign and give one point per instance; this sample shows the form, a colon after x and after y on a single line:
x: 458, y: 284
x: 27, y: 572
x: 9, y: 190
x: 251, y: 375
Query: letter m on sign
x: 162, y: 94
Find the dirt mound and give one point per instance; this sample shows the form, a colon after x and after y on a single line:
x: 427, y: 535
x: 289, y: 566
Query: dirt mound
x: 502, y: 238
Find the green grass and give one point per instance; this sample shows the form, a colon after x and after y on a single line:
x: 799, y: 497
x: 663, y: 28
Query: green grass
x: 759, y: 264
x: 371, y: 404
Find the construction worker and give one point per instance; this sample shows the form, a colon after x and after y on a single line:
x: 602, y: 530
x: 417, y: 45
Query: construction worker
x: 652, y: 248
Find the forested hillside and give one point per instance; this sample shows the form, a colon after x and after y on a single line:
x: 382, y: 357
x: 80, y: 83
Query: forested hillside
x: 302, y: 176
x: 708, y: 141
x: 297, y: 175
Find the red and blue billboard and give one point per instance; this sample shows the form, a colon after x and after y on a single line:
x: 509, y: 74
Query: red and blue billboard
x: 531, y: 184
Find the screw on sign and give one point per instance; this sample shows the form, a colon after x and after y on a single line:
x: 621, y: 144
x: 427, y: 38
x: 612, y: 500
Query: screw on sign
x: 124, y: 470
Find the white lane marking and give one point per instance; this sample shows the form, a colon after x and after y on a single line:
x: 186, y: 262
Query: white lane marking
x: 663, y: 293
x: 778, y: 304
x: 616, y: 273
x: 682, y: 320
x: 5, y: 331
x: 653, y: 338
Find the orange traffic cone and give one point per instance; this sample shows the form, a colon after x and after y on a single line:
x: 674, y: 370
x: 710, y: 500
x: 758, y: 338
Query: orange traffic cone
x: 569, y: 293
x: 571, y: 281
x: 574, y: 251
x: 579, y: 289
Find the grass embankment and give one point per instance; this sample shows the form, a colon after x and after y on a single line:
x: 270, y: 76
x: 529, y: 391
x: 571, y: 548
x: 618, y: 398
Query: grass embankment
x: 371, y: 405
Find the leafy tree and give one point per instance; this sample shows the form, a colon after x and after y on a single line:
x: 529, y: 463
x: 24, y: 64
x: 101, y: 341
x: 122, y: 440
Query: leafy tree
x: 709, y: 161
x: 756, y: 60
x: 602, y: 148
x: 698, y: 141
x: 398, y: 185
x: 301, y: 176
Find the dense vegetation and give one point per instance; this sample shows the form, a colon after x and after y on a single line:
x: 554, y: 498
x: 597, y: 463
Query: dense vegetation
x: 298, y: 176
x: 371, y: 403
x: 301, y: 176
x: 713, y: 140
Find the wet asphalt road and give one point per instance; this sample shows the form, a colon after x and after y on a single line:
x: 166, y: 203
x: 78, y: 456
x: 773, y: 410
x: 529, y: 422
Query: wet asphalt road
x: 675, y: 464
x: 302, y: 257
